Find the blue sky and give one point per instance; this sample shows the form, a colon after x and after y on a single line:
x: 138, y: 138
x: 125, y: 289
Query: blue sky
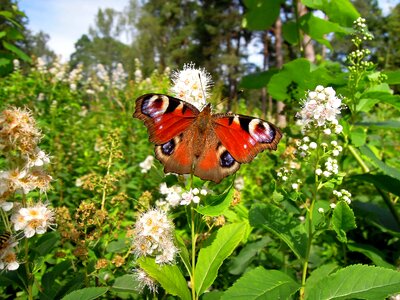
x: 66, y: 20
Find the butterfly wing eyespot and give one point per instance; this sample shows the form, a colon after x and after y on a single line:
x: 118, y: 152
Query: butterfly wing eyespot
x: 165, y: 117
x: 244, y: 137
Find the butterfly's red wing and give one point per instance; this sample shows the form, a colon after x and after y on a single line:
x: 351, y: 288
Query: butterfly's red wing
x: 165, y: 117
x: 170, y: 124
x: 244, y: 137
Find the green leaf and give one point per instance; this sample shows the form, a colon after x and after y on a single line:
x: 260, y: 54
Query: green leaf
x: 183, y: 253
x: 220, y: 245
x: 262, y: 284
x: 289, y: 78
x: 385, y: 182
x: 86, y: 293
x: 49, y: 278
x: 257, y: 80
x: 343, y: 220
x: 125, y: 283
x: 379, y: 125
x: 217, y: 204
x: 17, y: 51
x: 239, y: 263
x: 117, y: 246
x: 366, y: 104
x: 318, y: 274
x: 393, y: 77
x: 358, y: 136
x: 378, y: 216
x: 261, y: 15
x: 317, y: 28
x: 356, y: 282
x: 372, y: 253
x: 282, y: 224
x: 341, y: 12
x: 290, y: 32
x: 388, y: 170
x: 169, y: 276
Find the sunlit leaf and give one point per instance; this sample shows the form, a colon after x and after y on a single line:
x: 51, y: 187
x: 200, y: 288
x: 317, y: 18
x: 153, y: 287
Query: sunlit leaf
x: 262, y: 284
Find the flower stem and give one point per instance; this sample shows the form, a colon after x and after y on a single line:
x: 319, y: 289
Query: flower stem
x: 103, y: 198
x: 194, y: 238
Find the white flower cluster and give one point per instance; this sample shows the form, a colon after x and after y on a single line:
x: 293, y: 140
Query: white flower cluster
x: 321, y: 109
x: 192, y: 196
x: 191, y: 85
x: 361, y: 28
x: 154, y: 235
x: 343, y: 195
x: 146, y: 164
x: 138, y: 71
x: 34, y: 219
x: 175, y: 196
x: 119, y: 77
x: 8, y: 257
x: 19, y: 135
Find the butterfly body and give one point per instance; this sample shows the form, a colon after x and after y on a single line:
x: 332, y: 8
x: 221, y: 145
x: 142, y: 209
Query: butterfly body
x: 210, y: 146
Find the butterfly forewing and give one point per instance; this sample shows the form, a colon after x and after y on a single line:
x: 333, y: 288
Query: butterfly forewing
x: 244, y: 137
x: 164, y: 116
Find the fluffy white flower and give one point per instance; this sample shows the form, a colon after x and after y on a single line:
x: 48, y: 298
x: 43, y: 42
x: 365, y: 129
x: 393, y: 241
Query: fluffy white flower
x: 33, y: 219
x: 192, y: 85
x: 154, y: 236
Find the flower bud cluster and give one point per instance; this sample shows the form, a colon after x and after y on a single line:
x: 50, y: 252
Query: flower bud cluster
x: 153, y: 236
x: 343, y: 195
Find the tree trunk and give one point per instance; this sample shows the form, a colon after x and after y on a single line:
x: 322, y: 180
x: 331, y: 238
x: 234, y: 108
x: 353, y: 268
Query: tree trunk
x: 280, y: 106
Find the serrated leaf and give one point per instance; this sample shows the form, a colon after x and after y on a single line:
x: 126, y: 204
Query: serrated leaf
x: 220, y: 245
x: 86, y: 293
x: 262, y: 284
x: 388, y: 170
x: 217, y: 204
x: 372, y: 253
x: 125, y: 283
x: 357, y: 282
x: 319, y: 274
x: 169, y: 277
x: 282, y: 224
x: 343, y: 220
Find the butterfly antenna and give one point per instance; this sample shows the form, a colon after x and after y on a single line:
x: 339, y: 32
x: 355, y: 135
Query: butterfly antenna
x: 202, y: 88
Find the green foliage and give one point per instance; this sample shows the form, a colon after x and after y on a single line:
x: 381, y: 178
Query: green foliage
x: 308, y: 221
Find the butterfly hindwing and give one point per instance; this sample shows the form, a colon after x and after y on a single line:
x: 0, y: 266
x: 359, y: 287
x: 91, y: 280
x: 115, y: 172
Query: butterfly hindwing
x: 164, y: 116
x: 244, y: 137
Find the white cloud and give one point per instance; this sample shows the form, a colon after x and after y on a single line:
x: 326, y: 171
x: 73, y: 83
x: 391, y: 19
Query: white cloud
x: 65, y: 20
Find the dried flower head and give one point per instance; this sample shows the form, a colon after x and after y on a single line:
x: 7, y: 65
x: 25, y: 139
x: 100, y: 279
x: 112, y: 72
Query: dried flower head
x: 191, y: 85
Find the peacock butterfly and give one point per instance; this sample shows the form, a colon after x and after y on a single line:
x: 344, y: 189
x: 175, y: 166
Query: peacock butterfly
x: 211, y: 146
